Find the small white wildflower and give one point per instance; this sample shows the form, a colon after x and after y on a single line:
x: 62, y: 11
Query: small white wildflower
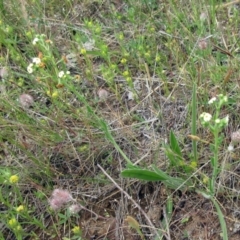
x: 226, y: 120
x: 206, y: 116
x: 230, y: 148
x: 67, y: 72
x: 35, y: 40
x: 61, y: 74
x: 36, y: 60
x: 217, y: 120
x: 30, y: 68
x: 212, y: 100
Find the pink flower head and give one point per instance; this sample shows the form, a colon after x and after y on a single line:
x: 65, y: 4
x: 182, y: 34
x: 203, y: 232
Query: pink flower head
x: 235, y: 136
x: 74, y: 208
x: 55, y: 204
x: 26, y: 100
x: 59, y: 198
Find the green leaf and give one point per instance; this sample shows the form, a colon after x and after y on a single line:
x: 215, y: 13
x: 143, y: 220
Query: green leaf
x: 174, y: 158
x: 221, y: 219
x: 142, y: 174
x: 174, y: 144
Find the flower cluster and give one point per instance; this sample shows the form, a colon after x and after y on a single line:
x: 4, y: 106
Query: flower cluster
x: 38, y: 38
x: 14, y: 224
x: 63, y: 74
x: 60, y: 198
x: 36, y: 62
x: 205, y: 117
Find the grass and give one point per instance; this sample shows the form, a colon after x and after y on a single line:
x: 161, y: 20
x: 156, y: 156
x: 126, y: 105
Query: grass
x: 97, y: 94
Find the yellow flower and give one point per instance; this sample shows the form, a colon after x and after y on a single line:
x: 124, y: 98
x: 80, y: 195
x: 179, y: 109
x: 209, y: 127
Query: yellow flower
x: 20, y: 208
x: 205, y: 179
x: 126, y: 73
x: 55, y: 94
x: 83, y: 51
x: 124, y: 60
x: 76, y: 230
x: 12, y: 222
x: 193, y: 164
x: 13, y: 179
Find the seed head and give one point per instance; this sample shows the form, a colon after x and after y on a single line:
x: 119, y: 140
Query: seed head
x: 235, y: 136
x: 26, y: 100
x: 74, y: 208
x: 58, y: 198
x: 102, y: 94
x: 202, y: 44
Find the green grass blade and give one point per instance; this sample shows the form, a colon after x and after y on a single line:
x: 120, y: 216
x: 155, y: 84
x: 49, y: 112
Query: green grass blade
x: 174, y: 144
x: 194, y: 121
x: 221, y: 219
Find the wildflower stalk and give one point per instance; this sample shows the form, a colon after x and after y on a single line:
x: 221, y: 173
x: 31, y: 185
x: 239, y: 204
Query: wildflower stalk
x: 215, y: 125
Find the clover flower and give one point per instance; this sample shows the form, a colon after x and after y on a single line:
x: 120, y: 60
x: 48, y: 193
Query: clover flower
x: 13, y: 222
x: 20, y: 208
x: 74, y: 208
x: 235, y: 137
x: 13, y: 179
x: 26, y: 100
x: 59, y: 197
x: 76, y: 230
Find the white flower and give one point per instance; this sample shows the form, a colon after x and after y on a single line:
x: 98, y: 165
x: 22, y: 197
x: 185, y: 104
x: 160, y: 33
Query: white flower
x: 206, y: 117
x: 35, y: 40
x: 212, y: 100
x: 36, y: 60
x: 230, y: 148
x: 61, y: 74
x: 226, y: 120
x: 30, y: 68
x: 217, y: 120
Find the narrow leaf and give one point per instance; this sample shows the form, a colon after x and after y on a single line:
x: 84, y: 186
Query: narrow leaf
x: 174, y: 144
x: 142, y: 174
